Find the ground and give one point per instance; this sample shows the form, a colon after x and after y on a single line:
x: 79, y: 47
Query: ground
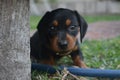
x: 101, y: 30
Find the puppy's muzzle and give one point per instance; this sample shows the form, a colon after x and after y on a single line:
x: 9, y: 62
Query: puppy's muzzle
x: 62, y: 42
x: 63, y: 45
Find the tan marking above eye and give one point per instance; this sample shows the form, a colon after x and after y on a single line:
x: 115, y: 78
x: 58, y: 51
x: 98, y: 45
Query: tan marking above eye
x: 68, y: 22
x: 55, y: 23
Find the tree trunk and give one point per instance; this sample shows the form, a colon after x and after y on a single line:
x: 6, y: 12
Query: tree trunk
x: 14, y: 40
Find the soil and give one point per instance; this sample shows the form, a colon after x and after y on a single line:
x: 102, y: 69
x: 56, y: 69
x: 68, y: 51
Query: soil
x: 103, y: 30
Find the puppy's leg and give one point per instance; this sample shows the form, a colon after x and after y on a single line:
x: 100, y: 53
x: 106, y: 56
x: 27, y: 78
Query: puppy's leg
x: 49, y: 61
x: 77, y: 59
x: 78, y: 62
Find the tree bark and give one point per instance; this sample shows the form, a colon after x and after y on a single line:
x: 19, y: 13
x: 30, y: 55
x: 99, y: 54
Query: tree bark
x: 14, y: 40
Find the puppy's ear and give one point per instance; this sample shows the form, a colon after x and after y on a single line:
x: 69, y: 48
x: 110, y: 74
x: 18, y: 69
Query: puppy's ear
x: 43, y: 22
x: 83, y: 25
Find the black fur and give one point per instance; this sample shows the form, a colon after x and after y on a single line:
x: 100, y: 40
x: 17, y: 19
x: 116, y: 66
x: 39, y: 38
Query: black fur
x: 40, y: 41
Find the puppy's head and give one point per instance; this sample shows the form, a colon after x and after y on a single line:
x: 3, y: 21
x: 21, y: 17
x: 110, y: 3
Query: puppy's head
x: 62, y: 30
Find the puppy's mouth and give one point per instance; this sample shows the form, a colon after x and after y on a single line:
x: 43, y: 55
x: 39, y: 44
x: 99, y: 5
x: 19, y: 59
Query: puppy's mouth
x: 63, y: 53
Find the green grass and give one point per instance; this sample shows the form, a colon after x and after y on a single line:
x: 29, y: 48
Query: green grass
x: 90, y: 19
x: 34, y: 20
x: 104, y: 54
x: 96, y: 18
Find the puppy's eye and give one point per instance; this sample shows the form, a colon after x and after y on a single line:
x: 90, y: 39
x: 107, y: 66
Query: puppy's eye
x: 52, y: 28
x: 72, y: 28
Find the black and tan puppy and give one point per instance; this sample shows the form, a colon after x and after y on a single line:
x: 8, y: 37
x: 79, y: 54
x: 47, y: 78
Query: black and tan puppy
x: 59, y: 34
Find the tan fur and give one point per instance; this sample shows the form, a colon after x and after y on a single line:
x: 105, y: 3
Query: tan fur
x: 55, y: 23
x: 68, y: 22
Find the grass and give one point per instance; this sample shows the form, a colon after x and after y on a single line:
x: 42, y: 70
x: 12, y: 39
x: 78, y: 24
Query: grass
x: 104, y: 54
x: 34, y: 20
x: 96, y: 18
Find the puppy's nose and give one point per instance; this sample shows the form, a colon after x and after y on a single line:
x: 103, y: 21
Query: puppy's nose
x: 63, y: 45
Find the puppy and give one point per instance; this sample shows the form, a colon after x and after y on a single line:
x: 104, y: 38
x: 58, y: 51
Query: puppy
x: 59, y: 34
